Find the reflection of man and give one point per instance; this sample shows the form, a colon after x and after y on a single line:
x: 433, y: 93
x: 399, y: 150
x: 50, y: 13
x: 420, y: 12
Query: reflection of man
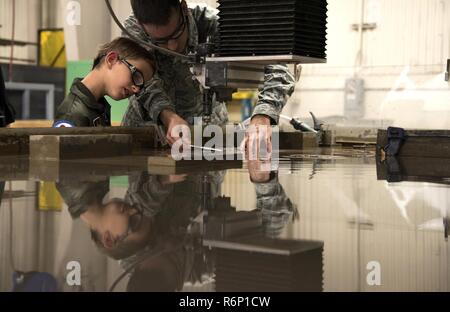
x: 175, y: 98
x: 276, y: 208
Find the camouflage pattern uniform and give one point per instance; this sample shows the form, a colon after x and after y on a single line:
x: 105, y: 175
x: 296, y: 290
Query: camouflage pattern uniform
x: 174, y: 88
x: 276, y: 208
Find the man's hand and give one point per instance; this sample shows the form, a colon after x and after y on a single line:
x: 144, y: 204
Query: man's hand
x: 259, y: 131
x: 259, y: 171
x: 171, y: 120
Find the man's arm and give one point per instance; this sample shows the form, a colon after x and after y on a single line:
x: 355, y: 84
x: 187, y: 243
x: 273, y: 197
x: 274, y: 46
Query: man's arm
x: 276, y: 208
x: 149, y: 105
x: 279, y: 84
x: 154, y: 99
x: 154, y: 104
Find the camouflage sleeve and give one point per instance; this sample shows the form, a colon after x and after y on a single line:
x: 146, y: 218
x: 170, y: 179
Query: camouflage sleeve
x: 148, y: 106
x: 276, y: 208
x: 147, y: 193
x: 279, y: 84
x: 154, y: 99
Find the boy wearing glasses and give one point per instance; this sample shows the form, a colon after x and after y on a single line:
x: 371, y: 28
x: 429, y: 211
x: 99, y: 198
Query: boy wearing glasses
x: 173, y: 25
x: 121, y: 69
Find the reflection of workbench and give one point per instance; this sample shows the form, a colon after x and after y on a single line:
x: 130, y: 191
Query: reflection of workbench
x: 27, y: 88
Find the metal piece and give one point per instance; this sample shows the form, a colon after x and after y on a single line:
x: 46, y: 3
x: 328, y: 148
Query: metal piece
x: 396, y: 137
x: 233, y: 75
x: 8, y: 42
x: 298, y: 125
x: 446, y: 228
x: 7, y: 58
x: 447, y: 73
x: 208, y: 103
x: 301, y: 126
x: 207, y: 148
x: 317, y: 123
x: 267, y: 60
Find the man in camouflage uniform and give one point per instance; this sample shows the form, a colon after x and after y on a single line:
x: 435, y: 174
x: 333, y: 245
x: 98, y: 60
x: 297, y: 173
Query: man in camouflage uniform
x: 173, y: 97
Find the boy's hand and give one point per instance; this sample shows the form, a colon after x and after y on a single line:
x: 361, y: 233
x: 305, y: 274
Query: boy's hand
x: 170, y: 120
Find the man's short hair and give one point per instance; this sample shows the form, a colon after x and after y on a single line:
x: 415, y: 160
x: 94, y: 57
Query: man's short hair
x: 126, y: 48
x: 154, y: 11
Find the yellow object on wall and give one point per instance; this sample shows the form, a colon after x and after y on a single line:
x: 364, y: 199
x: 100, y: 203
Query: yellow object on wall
x: 52, y: 51
x: 49, y: 198
x: 243, y: 95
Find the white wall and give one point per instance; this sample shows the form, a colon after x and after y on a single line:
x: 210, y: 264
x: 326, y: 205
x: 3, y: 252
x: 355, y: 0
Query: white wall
x: 26, y: 25
x: 403, y: 63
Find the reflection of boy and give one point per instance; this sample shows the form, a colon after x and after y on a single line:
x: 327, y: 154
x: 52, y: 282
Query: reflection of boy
x: 117, y: 228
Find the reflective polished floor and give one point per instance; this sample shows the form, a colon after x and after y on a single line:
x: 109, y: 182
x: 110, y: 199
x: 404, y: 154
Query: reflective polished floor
x: 315, y: 221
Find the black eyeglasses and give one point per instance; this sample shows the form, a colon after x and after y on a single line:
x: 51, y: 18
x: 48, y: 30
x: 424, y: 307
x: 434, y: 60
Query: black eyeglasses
x: 136, y: 75
x: 176, y: 34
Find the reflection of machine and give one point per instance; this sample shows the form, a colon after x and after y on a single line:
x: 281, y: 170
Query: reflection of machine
x: 248, y: 260
x: 263, y: 264
x: 413, y: 155
x: 253, y: 34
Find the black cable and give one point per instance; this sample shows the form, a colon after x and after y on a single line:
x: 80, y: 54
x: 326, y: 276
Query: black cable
x: 149, y: 44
